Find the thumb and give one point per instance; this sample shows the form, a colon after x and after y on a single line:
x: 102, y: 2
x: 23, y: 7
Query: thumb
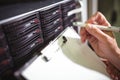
x: 96, y: 32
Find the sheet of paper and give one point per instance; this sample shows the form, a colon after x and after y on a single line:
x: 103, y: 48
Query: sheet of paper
x: 70, y: 61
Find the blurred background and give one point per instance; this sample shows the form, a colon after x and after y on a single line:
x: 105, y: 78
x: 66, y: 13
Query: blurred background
x: 111, y: 9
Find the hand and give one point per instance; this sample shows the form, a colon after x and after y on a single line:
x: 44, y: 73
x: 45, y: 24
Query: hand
x: 103, y: 44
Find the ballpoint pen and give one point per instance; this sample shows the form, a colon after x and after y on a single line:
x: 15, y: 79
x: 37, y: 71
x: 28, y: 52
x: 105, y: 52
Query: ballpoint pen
x: 107, y: 28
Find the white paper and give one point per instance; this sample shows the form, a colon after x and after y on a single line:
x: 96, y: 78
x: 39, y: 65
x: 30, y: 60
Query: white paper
x: 71, y: 61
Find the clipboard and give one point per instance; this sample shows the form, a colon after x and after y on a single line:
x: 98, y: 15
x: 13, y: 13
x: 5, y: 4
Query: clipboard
x: 71, y: 60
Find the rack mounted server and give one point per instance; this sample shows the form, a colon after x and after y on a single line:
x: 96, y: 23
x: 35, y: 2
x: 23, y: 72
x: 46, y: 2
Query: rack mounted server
x: 23, y: 35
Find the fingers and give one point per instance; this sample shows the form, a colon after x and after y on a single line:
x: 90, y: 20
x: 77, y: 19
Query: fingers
x: 98, y: 18
x: 94, y: 31
x: 91, y: 33
x: 83, y: 34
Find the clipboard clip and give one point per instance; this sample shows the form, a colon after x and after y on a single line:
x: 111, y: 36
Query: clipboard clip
x: 64, y: 40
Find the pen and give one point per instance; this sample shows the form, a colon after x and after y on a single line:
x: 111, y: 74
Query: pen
x: 107, y: 28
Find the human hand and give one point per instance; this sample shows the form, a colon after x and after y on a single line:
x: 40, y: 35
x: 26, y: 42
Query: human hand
x: 101, y: 42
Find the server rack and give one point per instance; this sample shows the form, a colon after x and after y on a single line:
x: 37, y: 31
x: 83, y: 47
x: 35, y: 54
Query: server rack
x: 27, y: 33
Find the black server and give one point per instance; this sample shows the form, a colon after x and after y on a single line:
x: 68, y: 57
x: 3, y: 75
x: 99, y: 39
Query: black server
x: 66, y: 7
x: 6, y: 63
x: 51, y: 22
x: 23, y: 36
